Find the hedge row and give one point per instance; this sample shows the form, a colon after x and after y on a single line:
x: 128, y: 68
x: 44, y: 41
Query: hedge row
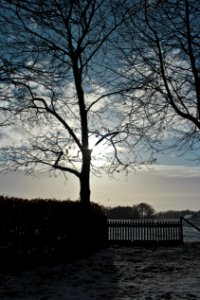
x: 51, y: 227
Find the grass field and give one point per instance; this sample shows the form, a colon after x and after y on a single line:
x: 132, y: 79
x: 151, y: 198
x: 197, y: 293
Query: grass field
x: 114, y: 273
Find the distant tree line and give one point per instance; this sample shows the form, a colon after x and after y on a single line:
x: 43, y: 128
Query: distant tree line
x: 139, y: 211
x: 144, y: 210
x: 174, y: 214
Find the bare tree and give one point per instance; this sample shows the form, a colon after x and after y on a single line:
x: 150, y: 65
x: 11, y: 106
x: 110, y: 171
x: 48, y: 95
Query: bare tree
x: 162, y: 51
x: 58, y: 85
x: 143, y: 210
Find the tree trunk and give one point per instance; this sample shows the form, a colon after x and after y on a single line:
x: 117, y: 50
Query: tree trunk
x: 85, y: 178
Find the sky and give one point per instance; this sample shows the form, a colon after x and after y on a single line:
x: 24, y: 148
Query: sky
x: 172, y: 184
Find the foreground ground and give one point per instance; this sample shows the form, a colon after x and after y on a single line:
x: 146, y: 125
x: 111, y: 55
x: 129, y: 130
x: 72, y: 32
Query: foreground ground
x: 115, y: 273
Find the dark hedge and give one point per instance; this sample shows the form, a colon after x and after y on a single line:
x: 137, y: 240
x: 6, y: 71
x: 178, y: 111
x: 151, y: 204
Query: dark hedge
x: 41, y: 230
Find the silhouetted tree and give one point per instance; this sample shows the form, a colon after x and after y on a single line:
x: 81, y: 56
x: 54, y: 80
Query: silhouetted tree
x: 162, y: 51
x: 57, y: 84
x: 143, y: 210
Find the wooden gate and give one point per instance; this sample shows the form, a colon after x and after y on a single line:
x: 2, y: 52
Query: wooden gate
x: 145, y: 232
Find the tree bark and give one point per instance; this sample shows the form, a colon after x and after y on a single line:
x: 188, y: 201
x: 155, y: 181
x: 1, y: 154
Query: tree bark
x: 85, y: 178
x: 86, y: 152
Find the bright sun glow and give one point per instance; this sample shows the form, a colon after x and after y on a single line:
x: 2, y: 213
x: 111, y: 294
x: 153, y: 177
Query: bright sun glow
x: 100, y: 151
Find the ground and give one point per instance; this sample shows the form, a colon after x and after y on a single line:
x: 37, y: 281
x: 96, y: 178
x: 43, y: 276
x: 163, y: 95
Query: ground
x: 115, y: 273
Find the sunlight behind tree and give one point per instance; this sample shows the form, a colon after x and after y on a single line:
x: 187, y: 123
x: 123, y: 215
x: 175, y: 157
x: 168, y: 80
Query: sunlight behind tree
x: 57, y: 84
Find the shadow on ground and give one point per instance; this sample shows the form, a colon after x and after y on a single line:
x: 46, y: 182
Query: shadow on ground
x: 94, y: 277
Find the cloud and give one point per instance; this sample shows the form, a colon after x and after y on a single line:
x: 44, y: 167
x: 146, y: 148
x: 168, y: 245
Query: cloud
x: 176, y: 171
x: 12, y: 135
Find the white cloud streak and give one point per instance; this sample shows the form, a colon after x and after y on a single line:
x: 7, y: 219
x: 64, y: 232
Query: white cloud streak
x: 175, y: 171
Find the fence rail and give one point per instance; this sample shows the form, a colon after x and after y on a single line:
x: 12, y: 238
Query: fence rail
x: 145, y: 232
x: 191, y: 223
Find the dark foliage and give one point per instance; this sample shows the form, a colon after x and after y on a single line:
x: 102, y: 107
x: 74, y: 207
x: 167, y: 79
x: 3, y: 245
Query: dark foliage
x: 138, y: 211
x: 120, y: 212
x: 146, y: 211
x: 35, y: 231
x: 174, y: 214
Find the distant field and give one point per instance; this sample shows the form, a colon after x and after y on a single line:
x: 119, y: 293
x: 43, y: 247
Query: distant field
x: 190, y: 234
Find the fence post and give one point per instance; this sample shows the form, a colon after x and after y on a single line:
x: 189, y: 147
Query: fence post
x: 181, y: 229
